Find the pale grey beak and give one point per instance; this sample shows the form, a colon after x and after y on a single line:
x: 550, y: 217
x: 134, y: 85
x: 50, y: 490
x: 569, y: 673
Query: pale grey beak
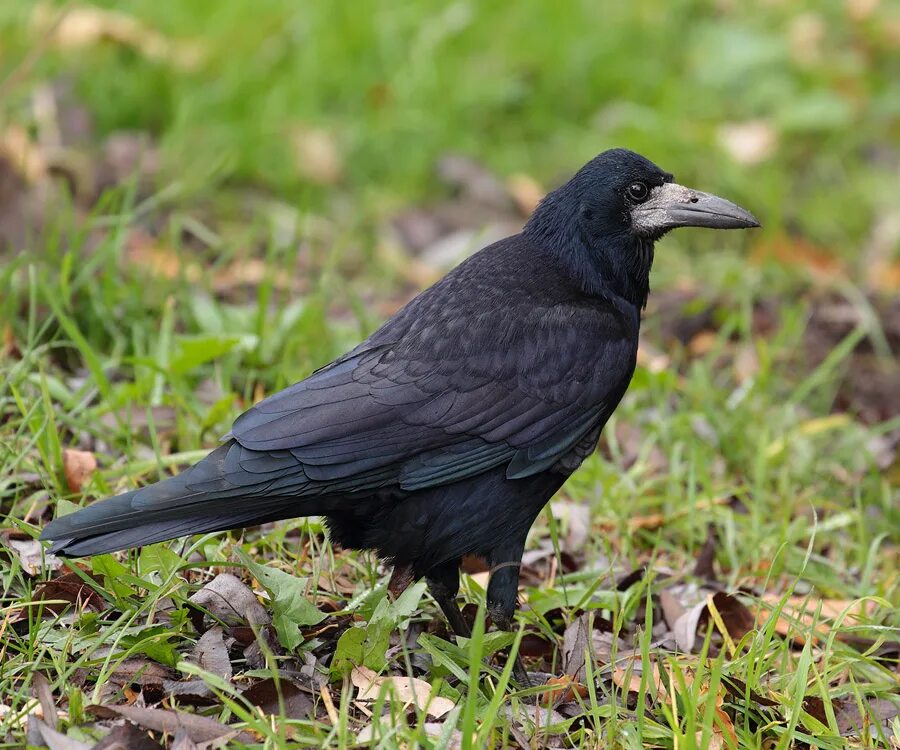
x: 670, y: 206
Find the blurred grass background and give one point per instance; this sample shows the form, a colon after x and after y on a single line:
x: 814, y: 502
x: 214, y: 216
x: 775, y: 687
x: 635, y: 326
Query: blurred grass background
x: 200, y: 201
x: 528, y: 87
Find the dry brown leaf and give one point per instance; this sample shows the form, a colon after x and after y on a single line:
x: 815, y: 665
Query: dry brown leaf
x: 316, y: 155
x: 78, y: 26
x: 562, y: 690
x: 23, y: 153
x: 137, y: 670
x: 702, y: 343
x: 652, y: 358
x: 78, y: 467
x: 56, y: 740
x: 822, y: 263
x: 656, y: 520
x: 40, y: 685
x: 800, y: 611
x: 265, y: 694
x: 211, y: 654
x: 725, y: 610
x: 629, y: 678
x: 575, y: 519
x: 127, y: 736
x: 576, y: 641
x: 160, y: 260
x: 197, y: 728
x: 852, y: 722
x: 471, y: 179
x: 409, y: 690
x: 806, y: 35
x: 746, y: 362
x: 9, y: 347
x: 671, y: 607
x: 526, y: 192
x: 748, y: 142
x: 861, y: 10
x: 68, y: 589
x: 231, y: 601
x: 32, y: 555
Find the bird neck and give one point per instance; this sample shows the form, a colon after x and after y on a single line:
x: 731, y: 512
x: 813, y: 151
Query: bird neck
x: 620, y: 264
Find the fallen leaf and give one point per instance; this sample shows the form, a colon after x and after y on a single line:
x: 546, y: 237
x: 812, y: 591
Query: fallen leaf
x: 197, y: 728
x: 526, y: 192
x: 799, y: 252
x: 745, y: 364
x: 230, y: 601
x: 748, y: 142
x: 316, y: 155
x: 33, y: 556
x: 806, y: 34
x: 575, y: 519
x: 182, y: 741
x: 738, y: 690
x: 628, y: 677
x: 78, y: 467
x: 58, y: 593
x: 20, y: 149
x: 127, y: 736
x: 44, y: 693
x: 671, y: 607
x: 562, y: 690
x: 861, y: 10
x: 211, y: 654
x: 702, y: 343
x: 727, y: 612
x: 160, y: 259
x: 851, y: 722
x: 57, y: 740
x: 409, y: 690
x: 473, y: 180
x: 656, y: 520
x: 138, y: 671
x: 438, y: 730
x: 627, y: 680
x: 77, y: 26
x: 295, y: 702
x: 703, y: 568
x: 537, y: 717
x: 575, y: 650
x: 800, y: 612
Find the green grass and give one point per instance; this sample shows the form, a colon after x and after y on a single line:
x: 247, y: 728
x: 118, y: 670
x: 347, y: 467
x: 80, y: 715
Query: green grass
x: 148, y: 369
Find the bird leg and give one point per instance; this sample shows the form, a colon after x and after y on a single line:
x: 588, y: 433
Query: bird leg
x: 443, y: 582
x: 502, y: 598
x: 401, y: 577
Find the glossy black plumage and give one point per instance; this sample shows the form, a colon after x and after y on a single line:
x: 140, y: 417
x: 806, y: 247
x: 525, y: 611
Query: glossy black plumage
x: 447, y: 430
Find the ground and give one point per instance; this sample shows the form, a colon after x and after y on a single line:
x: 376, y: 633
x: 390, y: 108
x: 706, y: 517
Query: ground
x: 201, y: 202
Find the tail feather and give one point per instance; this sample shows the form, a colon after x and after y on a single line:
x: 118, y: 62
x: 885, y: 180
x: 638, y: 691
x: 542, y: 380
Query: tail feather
x: 172, y: 508
x: 159, y: 531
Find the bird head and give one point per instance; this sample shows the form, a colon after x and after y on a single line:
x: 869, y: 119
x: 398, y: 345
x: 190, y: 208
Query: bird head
x: 604, y: 222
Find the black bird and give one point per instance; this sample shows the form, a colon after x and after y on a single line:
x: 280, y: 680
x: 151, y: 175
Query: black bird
x: 448, y: 429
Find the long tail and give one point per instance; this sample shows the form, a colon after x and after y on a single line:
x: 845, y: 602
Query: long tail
x: 198, y: 500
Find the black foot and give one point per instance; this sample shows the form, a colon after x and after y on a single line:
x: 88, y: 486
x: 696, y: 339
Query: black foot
x: 443, y: 582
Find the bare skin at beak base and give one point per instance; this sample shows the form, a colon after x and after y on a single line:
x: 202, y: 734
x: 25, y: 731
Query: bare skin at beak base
x: 671, y: 206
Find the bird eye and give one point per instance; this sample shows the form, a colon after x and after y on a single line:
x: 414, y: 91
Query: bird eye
x: 638, y: 192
